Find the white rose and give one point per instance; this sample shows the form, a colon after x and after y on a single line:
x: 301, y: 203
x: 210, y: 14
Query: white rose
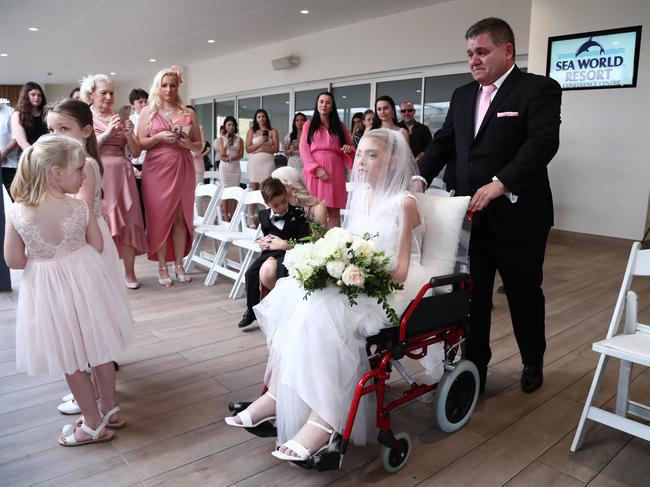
x: 335, y: 268
x: 339, y: 235
x: 352, y: 276
x: 304, y: 272
x: 363, y: 247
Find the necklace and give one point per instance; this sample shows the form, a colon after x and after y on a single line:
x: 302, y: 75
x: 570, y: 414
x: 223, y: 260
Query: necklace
x: 103, y: 118
x: 168, y: 113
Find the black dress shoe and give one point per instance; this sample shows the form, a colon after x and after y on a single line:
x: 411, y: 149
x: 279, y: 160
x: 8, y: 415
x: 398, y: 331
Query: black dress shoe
x: 247, y: 319
x: 532, y: 378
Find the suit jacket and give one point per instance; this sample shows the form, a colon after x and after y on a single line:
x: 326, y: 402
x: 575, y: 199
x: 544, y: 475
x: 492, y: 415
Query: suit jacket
x: 295, y: 226
x: 517, y: 139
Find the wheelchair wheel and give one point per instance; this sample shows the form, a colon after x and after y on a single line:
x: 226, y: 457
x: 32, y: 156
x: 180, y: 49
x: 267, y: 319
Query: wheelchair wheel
x: 393, y: 459
x: 456, y: 395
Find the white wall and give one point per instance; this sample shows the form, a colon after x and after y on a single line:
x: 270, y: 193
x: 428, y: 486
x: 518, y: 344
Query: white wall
x: 601, y: 175
x: 424, y: 37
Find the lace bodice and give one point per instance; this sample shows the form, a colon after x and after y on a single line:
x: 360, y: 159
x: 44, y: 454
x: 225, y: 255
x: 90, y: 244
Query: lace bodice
x: 97, y: 194
x: 41, y: 238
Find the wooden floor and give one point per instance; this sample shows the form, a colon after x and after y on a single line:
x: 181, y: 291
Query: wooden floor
x: 190, y: 360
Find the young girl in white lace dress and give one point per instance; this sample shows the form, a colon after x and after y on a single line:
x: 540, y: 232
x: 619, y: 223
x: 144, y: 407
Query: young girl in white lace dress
x: 74, y: 118
x: 65, y: 317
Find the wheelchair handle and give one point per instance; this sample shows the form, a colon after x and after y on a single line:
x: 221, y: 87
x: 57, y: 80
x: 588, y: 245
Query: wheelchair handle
x: 450, y: 279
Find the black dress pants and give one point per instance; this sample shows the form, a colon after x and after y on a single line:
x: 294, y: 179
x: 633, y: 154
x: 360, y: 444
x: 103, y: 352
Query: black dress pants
x: 520, y: 264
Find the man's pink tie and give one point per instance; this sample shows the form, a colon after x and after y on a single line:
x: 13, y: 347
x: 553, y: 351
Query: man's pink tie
x: 483, y: 104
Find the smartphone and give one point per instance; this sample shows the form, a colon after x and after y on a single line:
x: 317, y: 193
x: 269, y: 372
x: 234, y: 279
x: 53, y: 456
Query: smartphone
x: 231, y: 137
x: 125, y: 111
x: 177, y: 129
x: 265, y: 134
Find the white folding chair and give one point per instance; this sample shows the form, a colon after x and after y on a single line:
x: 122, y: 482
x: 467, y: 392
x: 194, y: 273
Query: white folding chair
x: 222, y: 265
x: 630, y: 347
x: 213, y: 176
x: 248, y: 245
x: 213, y: 221
x: 204, y: 210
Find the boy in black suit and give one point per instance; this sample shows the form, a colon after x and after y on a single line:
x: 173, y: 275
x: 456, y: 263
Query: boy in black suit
x: 280, y: 222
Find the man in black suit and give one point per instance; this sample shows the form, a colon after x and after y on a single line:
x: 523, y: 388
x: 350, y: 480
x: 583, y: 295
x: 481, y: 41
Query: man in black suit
x: 420, y: 135
x: 502, y: 130
x: 279, y: 222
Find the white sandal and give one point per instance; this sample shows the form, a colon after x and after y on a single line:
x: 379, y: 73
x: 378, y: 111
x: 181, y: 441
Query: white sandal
x: 69, y: 407
x: 304, y: 453
x: 71, y: 440
x: 106, y: 419
x: 245, y: 417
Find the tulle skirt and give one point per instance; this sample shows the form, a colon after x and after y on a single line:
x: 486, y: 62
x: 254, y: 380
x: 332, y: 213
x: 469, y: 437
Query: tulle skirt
x: 68, y: 314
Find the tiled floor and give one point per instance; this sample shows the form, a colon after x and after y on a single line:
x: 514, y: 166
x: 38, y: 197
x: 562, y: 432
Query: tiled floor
x: 190, y: 360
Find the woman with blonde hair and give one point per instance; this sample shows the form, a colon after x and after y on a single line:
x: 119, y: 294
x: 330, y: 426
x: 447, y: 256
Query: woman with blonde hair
x: 117, y: 145
x: 299, y: 195
x: 169, y: 132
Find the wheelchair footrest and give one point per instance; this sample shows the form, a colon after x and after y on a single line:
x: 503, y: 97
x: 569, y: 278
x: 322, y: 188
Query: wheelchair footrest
x: 328, y: 460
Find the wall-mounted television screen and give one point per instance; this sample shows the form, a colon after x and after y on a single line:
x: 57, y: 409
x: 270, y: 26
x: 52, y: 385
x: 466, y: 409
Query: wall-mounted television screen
x: 593, y: 60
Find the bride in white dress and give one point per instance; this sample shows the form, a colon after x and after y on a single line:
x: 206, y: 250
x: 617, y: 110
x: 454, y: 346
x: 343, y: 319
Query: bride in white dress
x: 317, y: 345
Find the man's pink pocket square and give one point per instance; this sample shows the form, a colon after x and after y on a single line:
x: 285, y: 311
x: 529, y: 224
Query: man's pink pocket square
x: 507, y: 114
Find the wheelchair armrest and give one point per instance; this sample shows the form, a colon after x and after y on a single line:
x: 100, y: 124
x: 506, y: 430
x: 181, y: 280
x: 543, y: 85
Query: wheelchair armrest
x: 453, y: 279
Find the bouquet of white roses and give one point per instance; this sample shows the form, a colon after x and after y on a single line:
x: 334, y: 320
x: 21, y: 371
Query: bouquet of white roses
x: 347, y: 261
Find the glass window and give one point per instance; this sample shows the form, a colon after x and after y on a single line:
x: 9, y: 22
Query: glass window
x: 247, y: 108
x: 221, y: 111
x: 402, y: 90
x: 437, y: 95
x: 277, y: 107
x: 351, y: 99
x: 305, y: 101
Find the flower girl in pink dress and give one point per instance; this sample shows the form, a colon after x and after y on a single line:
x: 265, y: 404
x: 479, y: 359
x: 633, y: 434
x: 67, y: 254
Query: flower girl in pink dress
x: 65, y: 317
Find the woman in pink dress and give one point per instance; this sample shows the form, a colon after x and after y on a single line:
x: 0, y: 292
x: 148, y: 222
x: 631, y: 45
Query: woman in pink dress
x: 117, y: 145
x: 326, y: 149
x: 169, y: 133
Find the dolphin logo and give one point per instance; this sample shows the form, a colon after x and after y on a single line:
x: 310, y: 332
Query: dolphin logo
x: 587, y: 45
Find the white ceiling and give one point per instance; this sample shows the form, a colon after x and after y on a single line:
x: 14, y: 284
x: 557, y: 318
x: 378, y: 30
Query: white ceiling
x: 77, y: 37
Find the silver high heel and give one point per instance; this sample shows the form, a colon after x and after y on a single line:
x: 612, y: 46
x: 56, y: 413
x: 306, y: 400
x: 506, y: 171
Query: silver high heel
x: 164, y: 281
x: 184, y: 277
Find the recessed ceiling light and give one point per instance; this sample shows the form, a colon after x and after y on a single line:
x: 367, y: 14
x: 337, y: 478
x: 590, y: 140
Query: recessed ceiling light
x: 4, y: 54
x: 344, y: 96
x: 244, y: 106
x: 304, y: 12
x: 112, y: 73
x: 418, y: 91
x: 211, y: 41
x: 152, y: 60
x: 33, y: 29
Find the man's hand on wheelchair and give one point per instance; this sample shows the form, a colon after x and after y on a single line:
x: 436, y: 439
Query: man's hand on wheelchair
x: 485, y: 194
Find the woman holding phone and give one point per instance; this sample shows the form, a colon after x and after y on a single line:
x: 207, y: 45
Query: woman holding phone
x: 326, y: 149
x: 231, y: 150
x: 117, y: 145
x: 262, y: 142
x: 169, y: 132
